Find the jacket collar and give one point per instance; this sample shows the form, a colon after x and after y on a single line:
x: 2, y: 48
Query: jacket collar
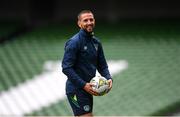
x: 86, y: 34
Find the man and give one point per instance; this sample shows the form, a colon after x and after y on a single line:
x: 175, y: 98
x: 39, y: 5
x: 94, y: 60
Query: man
x: 83, y: 55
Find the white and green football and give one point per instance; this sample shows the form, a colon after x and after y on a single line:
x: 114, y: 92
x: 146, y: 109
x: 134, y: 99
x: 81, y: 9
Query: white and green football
x: 100, y: 85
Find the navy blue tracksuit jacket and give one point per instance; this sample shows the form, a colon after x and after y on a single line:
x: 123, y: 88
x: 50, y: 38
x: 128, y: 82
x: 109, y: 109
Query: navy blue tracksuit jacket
x: 83, y: 55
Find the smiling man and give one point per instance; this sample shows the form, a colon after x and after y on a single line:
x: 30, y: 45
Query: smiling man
x: 83, y: 55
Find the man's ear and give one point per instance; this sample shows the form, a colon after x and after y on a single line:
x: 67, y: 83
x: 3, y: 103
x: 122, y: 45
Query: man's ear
x: 79, y: 24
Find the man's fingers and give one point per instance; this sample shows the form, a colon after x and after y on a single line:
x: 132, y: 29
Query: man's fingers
x: 93, y: 92
x: 110, y: 83
x: 91, y: 84
x: 89, y: 89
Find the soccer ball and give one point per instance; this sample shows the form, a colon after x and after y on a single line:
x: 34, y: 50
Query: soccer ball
x: 100, y: 85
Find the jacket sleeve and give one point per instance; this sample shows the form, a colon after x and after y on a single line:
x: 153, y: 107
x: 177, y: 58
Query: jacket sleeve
x: 102, y: 66
x: 70, y: 56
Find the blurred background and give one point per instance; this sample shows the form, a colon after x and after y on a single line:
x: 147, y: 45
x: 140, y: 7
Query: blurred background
x: 143, y: 36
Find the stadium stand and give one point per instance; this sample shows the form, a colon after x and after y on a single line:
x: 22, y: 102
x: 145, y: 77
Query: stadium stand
x: 150, y: 85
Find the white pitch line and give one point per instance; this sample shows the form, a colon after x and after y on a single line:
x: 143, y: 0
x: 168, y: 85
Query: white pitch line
x: 42, y: 90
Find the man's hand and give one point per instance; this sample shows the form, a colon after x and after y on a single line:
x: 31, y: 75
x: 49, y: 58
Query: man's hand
x: 88, y: 88
x: 110, y: 84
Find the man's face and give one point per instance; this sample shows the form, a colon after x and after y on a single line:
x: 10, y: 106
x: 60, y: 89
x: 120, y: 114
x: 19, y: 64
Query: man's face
x: 86, y: 22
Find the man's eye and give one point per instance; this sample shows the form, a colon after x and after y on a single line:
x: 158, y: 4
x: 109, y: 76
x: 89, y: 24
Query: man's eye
x: 85, y: 20
x: 91, y: 20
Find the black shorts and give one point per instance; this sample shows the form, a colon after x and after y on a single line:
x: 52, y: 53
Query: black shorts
x: 81, y: 102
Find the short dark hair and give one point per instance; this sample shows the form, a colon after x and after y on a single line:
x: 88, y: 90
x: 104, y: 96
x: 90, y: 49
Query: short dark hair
x: 82, y: 12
